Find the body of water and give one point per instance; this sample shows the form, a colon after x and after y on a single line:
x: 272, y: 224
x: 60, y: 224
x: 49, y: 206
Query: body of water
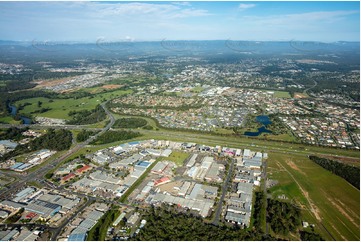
x: 260, y: 131
x: 263, y: 119
x: 14, y: 110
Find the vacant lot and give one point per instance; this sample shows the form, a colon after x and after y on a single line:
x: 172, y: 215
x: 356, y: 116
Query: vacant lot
x: 280, y: 94
x: 300, y: 95
x: 177, y: 157
x: 326, y: 200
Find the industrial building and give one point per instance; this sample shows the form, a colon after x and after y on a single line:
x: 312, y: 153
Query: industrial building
x: 23, y: 194
x: 80, y: 232
x: 45, y: 209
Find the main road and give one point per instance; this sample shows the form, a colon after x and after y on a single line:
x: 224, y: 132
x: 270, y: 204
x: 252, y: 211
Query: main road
x: 224, y: 192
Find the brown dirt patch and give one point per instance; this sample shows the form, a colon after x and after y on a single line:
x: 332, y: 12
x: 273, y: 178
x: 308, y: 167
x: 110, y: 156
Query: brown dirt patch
x: 111, y: 86
x: 169, y: 187
x: 50, y: 83
x: 294, y: 166
x: 314, y: 208
x: 299, y: 95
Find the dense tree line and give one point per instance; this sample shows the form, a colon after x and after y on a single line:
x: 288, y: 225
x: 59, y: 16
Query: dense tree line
x: 168, y: 224
x: 53, y: 140
x: 283, y: 217
x: 16, y: 85
x: 99, y: 231
x: 87, y: 116
x: 84, y: 135
x: 112, y: 136
x: 259, y: 207
x: 347, y: 172
x: 310, y: 236
x: 13, y: 219
x: 130, y: 123
x: 12, y: 134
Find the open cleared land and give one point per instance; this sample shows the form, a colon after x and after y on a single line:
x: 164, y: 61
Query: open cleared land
x: 300, y: 95
x: 280, y: 94
x: 61, y: 107
x: 103, y: 88
x: 281, y: 137
x: 326, y: 200
x: 177, y: 157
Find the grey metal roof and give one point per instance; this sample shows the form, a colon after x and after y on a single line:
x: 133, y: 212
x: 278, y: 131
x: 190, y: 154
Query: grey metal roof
x: 77, y: 237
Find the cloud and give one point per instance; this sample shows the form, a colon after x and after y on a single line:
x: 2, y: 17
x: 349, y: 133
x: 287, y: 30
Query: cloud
x: 244, y: 6
x: 141, y: 10
x: 182, y: 3
x: 304, y: 19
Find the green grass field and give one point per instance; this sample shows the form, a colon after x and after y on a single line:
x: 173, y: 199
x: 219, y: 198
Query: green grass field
x: 280, y: 94
x: 177, y: 157
x: 9, y: 120
x: 335, y: 203
x: 61, y: 107
x: 150, y: 121
x: 281, y: 137
x: 197, y: 89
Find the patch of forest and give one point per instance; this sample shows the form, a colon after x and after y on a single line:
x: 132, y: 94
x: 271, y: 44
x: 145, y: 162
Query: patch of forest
x: 130, y: 123
x: 12, y: 133
x: 168, y: 224
x: 283, y: 217
x: 87, y: 116
x: 112, y: 136
x: 53, y: 140
x: 84, y: 135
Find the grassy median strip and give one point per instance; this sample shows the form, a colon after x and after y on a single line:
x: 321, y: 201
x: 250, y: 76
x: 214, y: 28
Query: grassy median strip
x: 99, y: 231
x: 137, y: 183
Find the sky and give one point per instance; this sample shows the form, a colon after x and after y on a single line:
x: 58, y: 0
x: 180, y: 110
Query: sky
x: 147, y: 21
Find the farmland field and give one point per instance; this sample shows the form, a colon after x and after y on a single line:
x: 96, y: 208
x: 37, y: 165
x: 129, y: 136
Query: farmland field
x: 326, y: 200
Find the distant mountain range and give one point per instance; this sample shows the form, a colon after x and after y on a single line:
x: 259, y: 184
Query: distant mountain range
x: 180, y: 47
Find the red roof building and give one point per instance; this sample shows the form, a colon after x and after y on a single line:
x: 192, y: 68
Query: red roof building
x: 68, y: 177
x: 161, y: 181
x: 83, y: 169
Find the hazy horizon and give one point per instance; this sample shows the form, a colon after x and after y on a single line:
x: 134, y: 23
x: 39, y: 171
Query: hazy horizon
x: 155, y: 21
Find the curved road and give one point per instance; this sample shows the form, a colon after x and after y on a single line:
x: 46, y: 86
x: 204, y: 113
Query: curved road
x: 306, y: 90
